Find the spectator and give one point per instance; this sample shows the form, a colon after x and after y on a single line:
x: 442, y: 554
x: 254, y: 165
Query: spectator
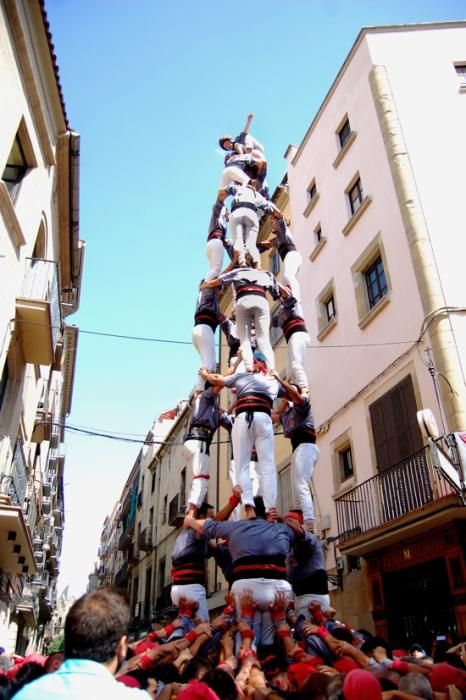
x: 96, y: 643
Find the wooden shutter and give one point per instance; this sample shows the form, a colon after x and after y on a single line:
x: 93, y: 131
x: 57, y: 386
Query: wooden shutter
x: 396, y: 433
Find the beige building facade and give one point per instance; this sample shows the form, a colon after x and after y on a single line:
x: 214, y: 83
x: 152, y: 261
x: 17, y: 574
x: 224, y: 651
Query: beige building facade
x: 384, y: 301
x: 41, y: 260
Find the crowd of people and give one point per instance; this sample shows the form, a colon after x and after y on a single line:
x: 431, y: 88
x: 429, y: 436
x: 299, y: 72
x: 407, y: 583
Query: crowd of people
x: 312, y: 657
x: 278, y: 635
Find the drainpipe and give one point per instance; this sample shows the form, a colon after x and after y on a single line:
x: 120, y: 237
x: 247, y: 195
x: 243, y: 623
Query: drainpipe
x: 441, y: 333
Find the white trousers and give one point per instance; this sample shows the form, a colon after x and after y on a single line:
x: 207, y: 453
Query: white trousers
x: 263, y: 591
x: 233, y: 174
x: 194, y: 453
x: 291, y: 265
x: 214, y: 252
x: 253, y: 309
x: 255, y: 484
x: 244, y: 438
x: 203, y: 339
x: 301, y: 603
x: 191, y: 591
x: 296, y: 349
x: 303, y: 462
x: 244, y: 227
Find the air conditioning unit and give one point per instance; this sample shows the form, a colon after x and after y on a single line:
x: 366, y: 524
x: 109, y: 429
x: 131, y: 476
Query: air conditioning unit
x: 340, y: 564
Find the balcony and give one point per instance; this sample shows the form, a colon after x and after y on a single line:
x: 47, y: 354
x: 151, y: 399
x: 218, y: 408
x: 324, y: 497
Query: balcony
x: 145, y: 542
x: 122, y: 576
x: 42, y: 426
x: 176, y: 512
x: 14, y: 481
x: 397, y: 502
x: 38, y: 311
x: 126, y: 537
x: 28, y: 607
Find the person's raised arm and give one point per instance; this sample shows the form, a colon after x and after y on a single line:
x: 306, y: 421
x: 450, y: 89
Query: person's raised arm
x: 227, y: 510
x: 214, y: 379
x: 292, y: 392
x: 247, y: 126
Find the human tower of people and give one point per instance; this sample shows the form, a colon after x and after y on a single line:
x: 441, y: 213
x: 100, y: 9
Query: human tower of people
x: 277, y: 637
x: 258, y: 550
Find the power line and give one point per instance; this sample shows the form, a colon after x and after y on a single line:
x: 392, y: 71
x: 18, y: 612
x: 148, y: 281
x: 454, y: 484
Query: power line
x: 149, y: 339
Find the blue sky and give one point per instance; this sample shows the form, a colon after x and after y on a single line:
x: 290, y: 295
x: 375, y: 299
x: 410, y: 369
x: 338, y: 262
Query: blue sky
x: 150, y: 85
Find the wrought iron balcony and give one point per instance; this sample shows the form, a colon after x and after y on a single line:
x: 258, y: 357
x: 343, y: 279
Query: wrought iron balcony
x: 122, y: 576
x: 14, y: 481
x: 145, y: 540
x: 395, y: 496
x: 176, y: 512
x: 126, y: 537
x: 38, y: 311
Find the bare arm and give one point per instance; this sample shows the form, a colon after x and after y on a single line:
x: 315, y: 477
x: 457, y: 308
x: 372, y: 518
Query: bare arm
x: 197, y: 525
x: 214, y: 379
x: 222, y: 195
x: 211, y: 284
x: 234, y: 367
x: 228, y: 509
x: 294, y: 395
x: 247, y: 126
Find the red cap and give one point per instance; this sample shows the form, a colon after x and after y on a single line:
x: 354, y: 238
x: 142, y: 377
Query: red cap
x: 443, y: 675
x: 299, y: 673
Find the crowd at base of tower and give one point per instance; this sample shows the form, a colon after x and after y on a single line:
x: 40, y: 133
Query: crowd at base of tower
x: 305, y: 655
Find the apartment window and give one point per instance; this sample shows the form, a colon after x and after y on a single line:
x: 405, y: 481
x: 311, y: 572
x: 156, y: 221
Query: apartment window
x: 152, y: 485
x: 151, y: 518
x: 371, y: 281
x: 16, y: 165
x: 161, y: 580
x: 275, y: 263
x: 460, y: 69
x: 318, y: 233
x: 355, y: 196
x: 276, y: 332
x: 183, y: 487
x: 330, y: 308
x: 346, y: 463
x: 3, y: 383
x: 326, y: 310
x: 165, y: 509
x: 344, y: 133
x: 353, y: 563
x: 284, y: 490
x: 376, y: 282
x: 312, y: 190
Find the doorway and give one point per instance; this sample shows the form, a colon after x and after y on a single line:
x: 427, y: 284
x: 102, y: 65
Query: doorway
x: 418, y: 604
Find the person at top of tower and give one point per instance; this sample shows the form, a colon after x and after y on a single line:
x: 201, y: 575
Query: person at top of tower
x: 244, y: 143
x: 245, y: 156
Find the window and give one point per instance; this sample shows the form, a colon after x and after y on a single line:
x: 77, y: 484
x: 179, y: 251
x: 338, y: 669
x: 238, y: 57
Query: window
x: 165, y: 509
x: 375, y: 282
x: 353, y: 563
x: 312, y: 196
x: 355, y: 196
x: 371, y: 281
x: 276, y: 332
x: 3, y: 383
x: 346, y: 463
x: 183, y: 487
x: 284, y: 490
x: 152, y: 486
x: 460, y: 69
x: 344, y: 133
x: 161, y: 580
x: 330, y: 308
x: 16, y: 165
x: 326, y: 310
x: 275, y: 262
x: 318, y: 233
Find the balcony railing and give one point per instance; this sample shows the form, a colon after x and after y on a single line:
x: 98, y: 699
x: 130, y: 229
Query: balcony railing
x: 122, y: 575
x: 38, y: 311
x: 145, y: 540
x: 399, y: 490
x: 176, y: 511
x: 13, y: 483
